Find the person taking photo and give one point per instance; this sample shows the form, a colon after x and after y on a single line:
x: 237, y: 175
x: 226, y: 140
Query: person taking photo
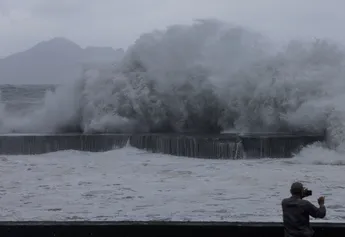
x: 296, y: 212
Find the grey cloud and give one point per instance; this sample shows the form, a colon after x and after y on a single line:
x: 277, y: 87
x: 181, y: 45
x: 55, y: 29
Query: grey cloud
x: 59, y: 8
x: 118, y: 23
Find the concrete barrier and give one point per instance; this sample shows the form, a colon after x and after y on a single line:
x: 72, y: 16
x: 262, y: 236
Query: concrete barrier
x: 276, y: 145
x: 212, y: 146
x: 153, y: 229
x: 30, y: 144
x: 216, y: 146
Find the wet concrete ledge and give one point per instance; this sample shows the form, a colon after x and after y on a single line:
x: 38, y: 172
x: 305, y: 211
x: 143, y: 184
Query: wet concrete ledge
x: 212, y: 146
x: 153, y: 229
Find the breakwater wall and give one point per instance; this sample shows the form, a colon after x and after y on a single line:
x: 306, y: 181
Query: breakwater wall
x: 217, y: 146
x: 155, y: 229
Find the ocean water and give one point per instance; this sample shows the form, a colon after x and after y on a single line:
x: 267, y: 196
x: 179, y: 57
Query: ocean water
x: 23, y: 99
x: 208, y: 76
x: 130, y: 184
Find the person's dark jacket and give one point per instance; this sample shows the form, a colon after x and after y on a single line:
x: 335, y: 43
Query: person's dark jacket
x: 296, y: 214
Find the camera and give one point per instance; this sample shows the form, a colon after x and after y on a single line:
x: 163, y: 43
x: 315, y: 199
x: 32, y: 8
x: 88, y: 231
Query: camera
x: 307, y: 192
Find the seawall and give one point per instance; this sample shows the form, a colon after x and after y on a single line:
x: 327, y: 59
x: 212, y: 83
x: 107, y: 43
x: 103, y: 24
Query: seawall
x: 217, y: 146
x: 153, y: 229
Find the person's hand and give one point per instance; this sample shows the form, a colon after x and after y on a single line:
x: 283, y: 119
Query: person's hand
x: 321, y: 201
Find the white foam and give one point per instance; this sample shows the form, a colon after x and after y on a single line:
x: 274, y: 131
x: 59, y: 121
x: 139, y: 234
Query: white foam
x: 129, y: 184
x: 318, y: 154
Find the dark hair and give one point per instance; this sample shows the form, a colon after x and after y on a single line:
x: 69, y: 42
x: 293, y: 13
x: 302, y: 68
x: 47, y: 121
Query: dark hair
x: 296, y: 188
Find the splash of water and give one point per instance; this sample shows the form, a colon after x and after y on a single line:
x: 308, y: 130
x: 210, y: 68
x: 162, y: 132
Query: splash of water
x: 205, y: 77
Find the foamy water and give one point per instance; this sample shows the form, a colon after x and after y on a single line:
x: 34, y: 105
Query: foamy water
x: 129, y: 184
x: 209, y: 76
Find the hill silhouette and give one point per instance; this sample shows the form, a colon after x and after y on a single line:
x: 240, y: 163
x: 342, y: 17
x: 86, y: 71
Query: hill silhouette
x: 54, y: 61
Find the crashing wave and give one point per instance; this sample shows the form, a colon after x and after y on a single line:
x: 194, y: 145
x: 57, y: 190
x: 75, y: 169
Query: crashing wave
x: 205, y: 77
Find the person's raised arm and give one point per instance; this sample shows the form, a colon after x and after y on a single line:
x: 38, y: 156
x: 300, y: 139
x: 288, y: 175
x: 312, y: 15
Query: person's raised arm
x: 317, y: 212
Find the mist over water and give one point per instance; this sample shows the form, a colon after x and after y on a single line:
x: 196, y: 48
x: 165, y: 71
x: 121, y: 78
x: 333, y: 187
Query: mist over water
x: 206, y: 77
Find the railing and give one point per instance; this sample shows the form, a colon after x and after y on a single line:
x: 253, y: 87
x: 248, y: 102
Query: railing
x: 153, y: 229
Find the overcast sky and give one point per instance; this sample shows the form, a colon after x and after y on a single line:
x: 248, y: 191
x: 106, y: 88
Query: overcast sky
x: 118, y: 23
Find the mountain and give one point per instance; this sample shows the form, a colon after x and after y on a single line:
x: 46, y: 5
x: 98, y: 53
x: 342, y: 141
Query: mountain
x: 55, y: 61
